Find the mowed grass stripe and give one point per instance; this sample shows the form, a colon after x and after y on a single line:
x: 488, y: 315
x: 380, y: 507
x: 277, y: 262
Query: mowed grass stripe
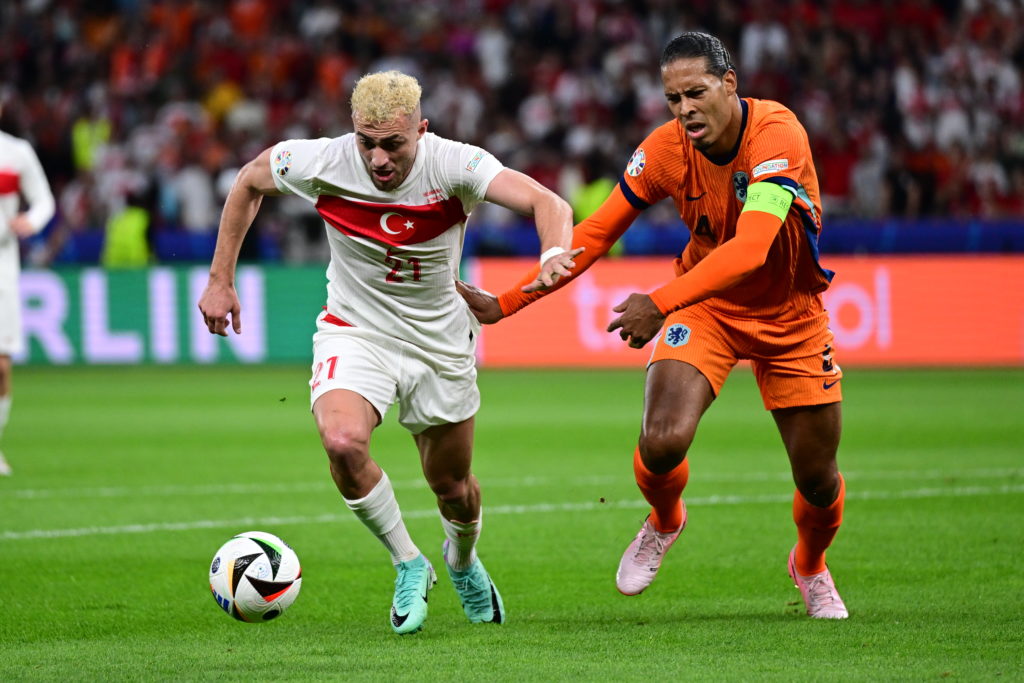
x: 954, y: 492
x: 311, y: 486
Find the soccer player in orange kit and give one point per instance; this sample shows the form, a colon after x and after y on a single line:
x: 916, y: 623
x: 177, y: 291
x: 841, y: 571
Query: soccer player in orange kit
x: 748, y: 286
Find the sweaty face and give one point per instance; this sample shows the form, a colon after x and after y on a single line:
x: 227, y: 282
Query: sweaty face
x: 388, y: 148
x: 704, y: 104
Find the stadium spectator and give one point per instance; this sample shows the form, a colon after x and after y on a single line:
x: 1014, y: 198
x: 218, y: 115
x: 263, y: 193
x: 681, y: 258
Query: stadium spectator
x: 934, y: 75
x: 126, y: 242
x: 395, y: 199
x: 21, y: 175
x: 196, y: 191
x: 741, y: 174
x: 869, y: 194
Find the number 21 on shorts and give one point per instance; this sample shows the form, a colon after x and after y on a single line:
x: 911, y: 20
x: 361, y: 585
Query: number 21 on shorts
x: 332, y: 364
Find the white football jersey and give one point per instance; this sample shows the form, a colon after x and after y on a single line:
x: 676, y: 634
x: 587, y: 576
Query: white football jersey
x: 394, y: 255
x: 21, y: 174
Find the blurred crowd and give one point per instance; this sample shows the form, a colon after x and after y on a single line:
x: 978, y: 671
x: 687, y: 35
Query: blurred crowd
x: 143, y: 110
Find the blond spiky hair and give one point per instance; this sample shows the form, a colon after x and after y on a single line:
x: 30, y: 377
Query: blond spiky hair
x: 381, y: 96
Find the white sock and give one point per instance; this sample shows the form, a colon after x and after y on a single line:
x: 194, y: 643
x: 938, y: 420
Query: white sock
x: 5, y: 412
x: 378, y: 510
x: 462, y: 537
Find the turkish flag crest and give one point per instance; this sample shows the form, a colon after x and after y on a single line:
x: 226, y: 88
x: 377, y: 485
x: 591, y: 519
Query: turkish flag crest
x: 394, y: 224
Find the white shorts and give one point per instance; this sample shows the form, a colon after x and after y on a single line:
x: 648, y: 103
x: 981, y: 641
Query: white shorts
x: 431, y: 390
x: 11, y: 341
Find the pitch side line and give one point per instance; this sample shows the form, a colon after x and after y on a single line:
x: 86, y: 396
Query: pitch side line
x: 596, y: 480
x: 263, y: 522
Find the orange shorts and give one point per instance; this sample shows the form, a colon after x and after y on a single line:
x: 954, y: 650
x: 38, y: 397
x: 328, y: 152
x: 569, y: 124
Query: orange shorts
x: 792, y: 360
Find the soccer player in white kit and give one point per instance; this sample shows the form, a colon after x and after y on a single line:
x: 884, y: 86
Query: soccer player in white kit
x: 395, y: 200
x: 21, y: 175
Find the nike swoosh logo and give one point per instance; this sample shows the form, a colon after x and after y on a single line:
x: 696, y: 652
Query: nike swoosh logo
x: 693, y: 199
x: 399, y: 619
x: 828, y: 385
x: 496, y: 618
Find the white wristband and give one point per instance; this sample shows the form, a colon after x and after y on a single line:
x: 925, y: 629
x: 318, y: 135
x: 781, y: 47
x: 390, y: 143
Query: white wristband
x: 553, y: 251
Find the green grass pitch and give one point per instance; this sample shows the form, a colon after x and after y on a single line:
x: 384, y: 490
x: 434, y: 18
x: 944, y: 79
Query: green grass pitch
x: 128, y: 479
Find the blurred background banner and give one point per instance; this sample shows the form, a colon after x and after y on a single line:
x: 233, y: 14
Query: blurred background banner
x: 97, y: 316
x: 897, y: 310
x: 905, y: 311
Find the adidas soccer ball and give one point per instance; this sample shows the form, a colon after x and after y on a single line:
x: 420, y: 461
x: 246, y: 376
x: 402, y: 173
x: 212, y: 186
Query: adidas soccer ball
x: 255, y: 576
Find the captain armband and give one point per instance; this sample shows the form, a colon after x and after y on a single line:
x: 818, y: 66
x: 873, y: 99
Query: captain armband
x: 769, y: 198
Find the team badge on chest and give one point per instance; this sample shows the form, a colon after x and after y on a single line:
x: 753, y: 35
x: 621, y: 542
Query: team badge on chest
x: 740, y: 181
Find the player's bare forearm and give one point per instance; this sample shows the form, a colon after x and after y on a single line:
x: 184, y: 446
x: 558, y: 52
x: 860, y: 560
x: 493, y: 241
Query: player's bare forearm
x: 219, y: 301
x: 551, y: 213
x: 524, y: 195
x: 594, y: 236
x: 240, y: 210
x: 554, y: 228
x: 639, y: 322
x: 553, y: 216
x: 254, y: 181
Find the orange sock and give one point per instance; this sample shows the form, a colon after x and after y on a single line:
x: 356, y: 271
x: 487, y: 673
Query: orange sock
x: 663, y: 492
x: 815, y: 529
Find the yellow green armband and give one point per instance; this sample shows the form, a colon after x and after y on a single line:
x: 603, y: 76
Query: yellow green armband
x: 769, y: 198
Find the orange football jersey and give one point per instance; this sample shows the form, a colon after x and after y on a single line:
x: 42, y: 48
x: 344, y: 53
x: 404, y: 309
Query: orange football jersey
x: 709, y: 195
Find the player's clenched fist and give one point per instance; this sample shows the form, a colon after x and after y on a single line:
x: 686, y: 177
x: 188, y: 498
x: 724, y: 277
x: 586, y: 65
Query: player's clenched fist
x: 216, y: 303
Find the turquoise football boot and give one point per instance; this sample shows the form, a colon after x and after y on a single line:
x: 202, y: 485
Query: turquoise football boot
x: 479, y: 597
x: 409, y: 607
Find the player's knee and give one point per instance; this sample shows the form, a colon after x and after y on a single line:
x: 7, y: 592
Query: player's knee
x: 450, y: 490
x: 662, y: 449
x: 345, y: 446
x: 819, y: 487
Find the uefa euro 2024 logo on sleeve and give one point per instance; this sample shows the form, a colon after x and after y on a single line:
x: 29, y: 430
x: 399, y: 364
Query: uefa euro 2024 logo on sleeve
x: 282, y: 162
x: 636, y: 162
x: 677, y: 335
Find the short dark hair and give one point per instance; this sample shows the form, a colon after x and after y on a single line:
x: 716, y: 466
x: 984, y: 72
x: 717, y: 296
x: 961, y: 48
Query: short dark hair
x: 696, y: 44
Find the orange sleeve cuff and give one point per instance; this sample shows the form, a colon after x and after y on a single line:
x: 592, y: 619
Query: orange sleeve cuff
x: 724, y: 267
x: 597, y: 233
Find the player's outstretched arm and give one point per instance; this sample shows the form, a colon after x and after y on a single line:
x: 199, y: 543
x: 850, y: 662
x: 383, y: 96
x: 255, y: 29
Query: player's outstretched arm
x: 729, y: 264
x: 591, y: 239
x: 219, y: 300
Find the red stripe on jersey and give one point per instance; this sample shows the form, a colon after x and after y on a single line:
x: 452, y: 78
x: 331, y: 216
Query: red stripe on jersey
x: 10, y: 182
x: 394, y: 224
x: 335, y: 320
